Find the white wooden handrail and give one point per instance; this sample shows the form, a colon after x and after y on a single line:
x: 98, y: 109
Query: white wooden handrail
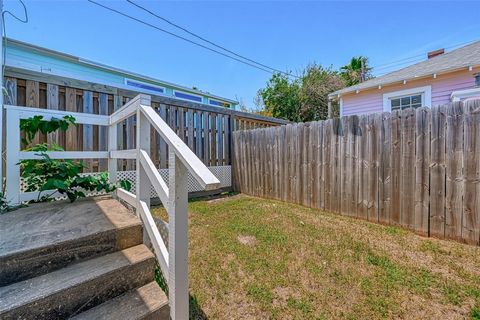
x: 174, y: 195
x: 81, y: 118
x: 157, y: 181
x: 196, y: 167
x: 174, y: 261
x: 129, y: 109
x: 160, y: 249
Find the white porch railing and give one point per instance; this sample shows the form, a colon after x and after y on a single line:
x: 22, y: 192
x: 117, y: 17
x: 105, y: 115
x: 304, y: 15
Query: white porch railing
x: 174, y: 261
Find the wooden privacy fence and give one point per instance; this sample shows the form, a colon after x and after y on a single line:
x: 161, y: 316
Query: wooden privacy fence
x: 205, y: 129
x: 416, y: 168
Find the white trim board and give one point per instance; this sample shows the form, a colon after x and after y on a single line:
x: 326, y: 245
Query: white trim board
x: 426, y: 92
x: 464, y: 94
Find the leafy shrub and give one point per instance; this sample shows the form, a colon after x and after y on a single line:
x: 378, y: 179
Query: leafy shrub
x: 54, y: 175
x: 60, y: 175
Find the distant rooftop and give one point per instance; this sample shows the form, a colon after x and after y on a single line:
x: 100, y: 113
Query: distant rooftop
x: 31, y: 57
x: 464, y: 57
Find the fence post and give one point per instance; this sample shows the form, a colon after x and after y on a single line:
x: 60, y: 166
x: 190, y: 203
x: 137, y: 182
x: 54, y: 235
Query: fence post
x: 143, y: 143
x: 231, y: 130
x: 178, y: 238
x: 12, y: 192
x: 112, y: 145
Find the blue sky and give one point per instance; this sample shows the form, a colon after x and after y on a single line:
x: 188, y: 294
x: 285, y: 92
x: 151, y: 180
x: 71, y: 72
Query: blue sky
x: 284, y: 35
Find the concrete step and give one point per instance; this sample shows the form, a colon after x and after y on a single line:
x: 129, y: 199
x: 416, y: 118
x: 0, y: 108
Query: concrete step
x: 48, y: 236
x: 145, y: 303
x: 77, y: 287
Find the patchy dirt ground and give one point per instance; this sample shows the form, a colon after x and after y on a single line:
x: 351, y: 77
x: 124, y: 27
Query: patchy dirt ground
x: 253, y: 258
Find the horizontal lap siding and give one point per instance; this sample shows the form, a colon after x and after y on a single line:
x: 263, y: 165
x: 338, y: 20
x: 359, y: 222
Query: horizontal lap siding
x: 362, y: 103
x: 442, y: 89
x: 371, y: 100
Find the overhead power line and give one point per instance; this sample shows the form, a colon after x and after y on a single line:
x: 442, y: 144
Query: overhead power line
x: 206, y: 40
x: 415, y: 58
x: 180, y: 37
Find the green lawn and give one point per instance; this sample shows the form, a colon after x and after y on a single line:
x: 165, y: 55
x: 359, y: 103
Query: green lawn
x: 252, y: 258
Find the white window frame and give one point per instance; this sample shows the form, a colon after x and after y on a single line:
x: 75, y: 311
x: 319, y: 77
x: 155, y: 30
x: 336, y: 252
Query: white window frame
x: 425, y: 91
x: 465, y: 94
x: 186, y: 92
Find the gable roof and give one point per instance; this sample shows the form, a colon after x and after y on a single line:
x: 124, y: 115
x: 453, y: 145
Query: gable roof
x: 463, y: 57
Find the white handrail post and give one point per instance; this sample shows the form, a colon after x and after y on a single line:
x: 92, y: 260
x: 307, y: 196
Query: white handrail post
x: 143, y: 143
x: 112, y: 146
x: 178, y: 238
x: 12, y: 192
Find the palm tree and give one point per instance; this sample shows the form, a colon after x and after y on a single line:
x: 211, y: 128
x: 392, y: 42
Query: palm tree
x: 356, y: 71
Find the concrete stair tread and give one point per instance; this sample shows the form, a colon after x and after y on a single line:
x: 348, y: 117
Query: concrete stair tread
x: 147, y: 302
x: 43, y: 224
x: 45, y: 237
x: 63, y: 291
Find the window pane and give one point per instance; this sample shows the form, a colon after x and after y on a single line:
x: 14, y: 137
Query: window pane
x: 416, y: 105
x: 416, y: 99
x: 395, y: 103
x: 144, y: 86
x: 187, y: 96
x: 218, y: 103
x: 405, y: 101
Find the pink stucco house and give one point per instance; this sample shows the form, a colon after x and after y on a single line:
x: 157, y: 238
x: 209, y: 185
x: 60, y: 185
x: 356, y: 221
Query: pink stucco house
x: 442, y: 78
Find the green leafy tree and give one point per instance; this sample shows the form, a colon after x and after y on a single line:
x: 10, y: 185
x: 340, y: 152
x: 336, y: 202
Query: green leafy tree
x: 303, y: 99
x: 281, y: 97
x: 316, y: 83
x: 358, y: 70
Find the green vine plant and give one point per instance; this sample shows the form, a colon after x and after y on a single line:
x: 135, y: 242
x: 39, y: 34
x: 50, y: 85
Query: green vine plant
x: 49, y: 176
x: 36, y: 124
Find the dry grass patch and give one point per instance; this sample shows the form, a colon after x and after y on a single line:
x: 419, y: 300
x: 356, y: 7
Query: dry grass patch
x: 252, y: 258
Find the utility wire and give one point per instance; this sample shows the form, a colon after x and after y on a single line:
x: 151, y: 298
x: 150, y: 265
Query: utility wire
x: 4, y: 35
x: 177, y: 36
x: 416, y: 58
x: 206, y: 40
x: 4, y: 51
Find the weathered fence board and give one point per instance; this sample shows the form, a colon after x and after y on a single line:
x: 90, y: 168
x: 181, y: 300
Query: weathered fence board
x: 437, y: 172
x: 471, y: 173
x: 422, y: 161
x: 205, y: 129
x: 419, y: 169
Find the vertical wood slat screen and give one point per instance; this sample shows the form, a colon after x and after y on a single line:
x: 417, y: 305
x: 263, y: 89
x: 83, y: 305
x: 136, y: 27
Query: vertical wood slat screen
x: 207, y: 133
x: 416, y: 168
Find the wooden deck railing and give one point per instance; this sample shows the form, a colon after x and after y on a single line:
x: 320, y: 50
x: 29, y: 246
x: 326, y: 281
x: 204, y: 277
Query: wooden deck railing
x: 174, y: 261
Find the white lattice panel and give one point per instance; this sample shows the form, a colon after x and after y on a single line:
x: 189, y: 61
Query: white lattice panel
x: 223, y: 173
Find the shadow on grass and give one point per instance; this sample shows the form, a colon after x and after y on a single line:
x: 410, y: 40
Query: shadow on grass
x: 195, y: 310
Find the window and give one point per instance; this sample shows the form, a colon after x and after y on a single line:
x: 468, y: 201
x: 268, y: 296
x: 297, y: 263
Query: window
x: 406, y: 102
x: 187, y: 96
x: 410, y: 98
x: 218, y: 103
x: 477, y: 79
x: 144, y: 86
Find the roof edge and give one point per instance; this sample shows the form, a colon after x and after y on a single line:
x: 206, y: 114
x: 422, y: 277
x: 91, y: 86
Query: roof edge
x: 444, y: 71
x: 105, y: 67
